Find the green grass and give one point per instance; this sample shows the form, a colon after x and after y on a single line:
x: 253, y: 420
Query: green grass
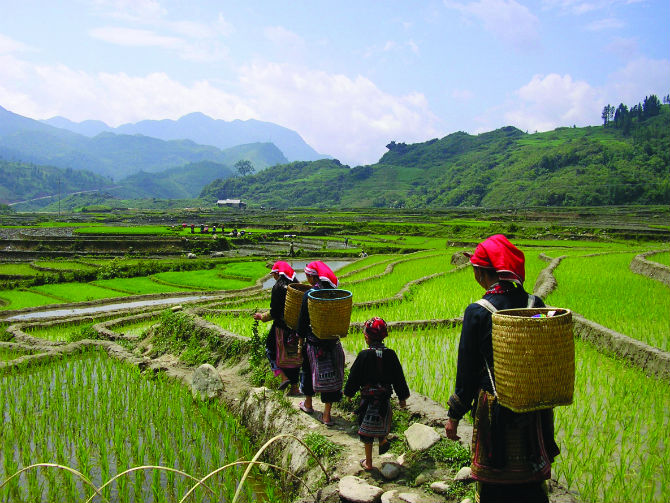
x: 17, y: 270
x: 138, y: 286
x: 7, y: 354
x: 661, y: 258
x: 64, y: 265
x: 19, y: 299
x: 207, y: 279
x: 604, y: 290
x: 77, y: 292
x: 127, y: 230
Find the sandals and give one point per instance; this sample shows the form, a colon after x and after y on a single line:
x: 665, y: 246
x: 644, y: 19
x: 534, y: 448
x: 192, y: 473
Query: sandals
x: 284, y: 384
x: 384, y: 447
x: 328, y: 423
x: 302, y: 407
x: 364, y: 466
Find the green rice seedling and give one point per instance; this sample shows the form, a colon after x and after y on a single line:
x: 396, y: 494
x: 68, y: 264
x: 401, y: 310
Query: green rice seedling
x: 138, y: 286
x: 17, y: 270
x: 661, y: 258
x: 64, y: 265
x: 612, y: 295
x: 7, y: 354
x: 238, y: 324
x: 18, y: 299
x: 206, y: 279
x: 77, y: 292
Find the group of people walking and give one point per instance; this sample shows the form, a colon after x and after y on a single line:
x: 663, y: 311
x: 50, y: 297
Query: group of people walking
x: 511, y: 452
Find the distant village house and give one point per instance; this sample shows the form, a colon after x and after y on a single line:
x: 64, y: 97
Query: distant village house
x: 231, y: 203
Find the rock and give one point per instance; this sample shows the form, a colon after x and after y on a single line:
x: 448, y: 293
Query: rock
x: 206, y: 382
x: 191, y: 255
x: 459, y: 258
x: 440, y: 487
x: 357, y: 490
x: 390, y: 470
x: 466, y: 500
x: 421, y: 479
x: 464, y: 474
x: 421, y: 437
x: 390, y: 496
x: 409, y: 497
x: 401, y: 459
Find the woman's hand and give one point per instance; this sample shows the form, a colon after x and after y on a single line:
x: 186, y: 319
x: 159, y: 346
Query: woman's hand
x: 451, y: 429
x: 259, y: 316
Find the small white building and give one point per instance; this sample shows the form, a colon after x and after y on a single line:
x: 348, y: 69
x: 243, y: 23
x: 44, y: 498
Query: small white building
x: 231, y: 203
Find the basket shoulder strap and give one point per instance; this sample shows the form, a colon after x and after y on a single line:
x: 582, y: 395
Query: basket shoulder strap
x: 487, y: 305
x: 492, y: 309
x: 531, y: 300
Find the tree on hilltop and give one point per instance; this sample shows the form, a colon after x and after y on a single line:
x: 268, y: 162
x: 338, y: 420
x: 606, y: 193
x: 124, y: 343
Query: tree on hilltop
x: 245, y: 167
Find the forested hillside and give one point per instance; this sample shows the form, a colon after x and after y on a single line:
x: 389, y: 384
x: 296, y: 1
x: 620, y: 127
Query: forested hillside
x: 598, y: 165
x: 22, y: 181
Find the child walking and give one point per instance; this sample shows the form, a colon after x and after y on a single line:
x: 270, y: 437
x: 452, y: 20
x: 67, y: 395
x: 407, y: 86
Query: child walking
x: 376, y: 373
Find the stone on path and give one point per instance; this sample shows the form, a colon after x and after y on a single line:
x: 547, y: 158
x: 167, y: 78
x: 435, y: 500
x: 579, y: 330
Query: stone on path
x: 206, y: 382
x: 464, y: 474
x: 421, y: 437
x: 357, y: 490
x: 390, y: 470
x: 440, y: 487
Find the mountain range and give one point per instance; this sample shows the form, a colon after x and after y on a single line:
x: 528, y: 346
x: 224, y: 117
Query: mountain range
x: 203, y: 130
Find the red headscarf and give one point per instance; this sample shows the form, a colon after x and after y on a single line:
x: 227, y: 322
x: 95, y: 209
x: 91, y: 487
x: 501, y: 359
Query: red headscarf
x: 321, y: 270
x: 375, y: 329
x: 285, y: 269
x: 498, y: 253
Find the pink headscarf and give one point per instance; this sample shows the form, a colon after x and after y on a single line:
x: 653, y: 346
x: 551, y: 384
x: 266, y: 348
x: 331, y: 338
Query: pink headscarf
x: 321, y: 270
x: 285, y: 269
x: 498, y: 253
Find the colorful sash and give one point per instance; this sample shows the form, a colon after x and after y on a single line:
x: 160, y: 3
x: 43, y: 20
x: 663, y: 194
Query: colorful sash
x: 327, y: 366
x: 288, y: 352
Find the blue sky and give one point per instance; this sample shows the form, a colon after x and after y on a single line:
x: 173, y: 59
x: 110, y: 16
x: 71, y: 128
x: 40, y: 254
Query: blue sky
x: 348, y: 76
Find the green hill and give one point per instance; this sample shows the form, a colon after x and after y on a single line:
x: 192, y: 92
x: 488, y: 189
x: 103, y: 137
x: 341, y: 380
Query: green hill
x: 594, y: 165
x: 21, y: 181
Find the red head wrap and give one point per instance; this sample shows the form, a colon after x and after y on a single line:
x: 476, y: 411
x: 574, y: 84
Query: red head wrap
x: 375, y: 329
x: 321, y: 270
x: 499, y: 254
x: 285, y: 269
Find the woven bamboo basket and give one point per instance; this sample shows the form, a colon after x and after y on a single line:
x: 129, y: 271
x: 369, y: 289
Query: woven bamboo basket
x: 330, y: 312
x: 294, y: 294
x: 534, y: 358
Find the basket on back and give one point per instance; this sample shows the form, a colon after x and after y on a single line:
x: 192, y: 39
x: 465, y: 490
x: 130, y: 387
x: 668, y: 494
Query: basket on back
x: 329, y: 312
x: 294, y: 295
x: 534, y: 358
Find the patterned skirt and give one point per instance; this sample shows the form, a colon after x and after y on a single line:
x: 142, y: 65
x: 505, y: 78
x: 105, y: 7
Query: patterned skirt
x: 511, y: 448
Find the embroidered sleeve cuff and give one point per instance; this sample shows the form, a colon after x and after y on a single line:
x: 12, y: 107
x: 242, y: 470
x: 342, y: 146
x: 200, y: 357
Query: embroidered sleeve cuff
x: 456, y: 408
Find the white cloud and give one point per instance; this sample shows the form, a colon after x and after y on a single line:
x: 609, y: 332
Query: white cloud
x: 552, y: 101
x: 134, y: 38
x: 610, y: 23
x: 349, y: 118
x: 639, y: 78
x: 508, y: 20
x: 9, y: 45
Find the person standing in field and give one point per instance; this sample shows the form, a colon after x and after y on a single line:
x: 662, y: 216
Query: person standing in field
x: 376, y: 373
x: 323, y: 359
x: 511, y: 452
x: 281, y: 343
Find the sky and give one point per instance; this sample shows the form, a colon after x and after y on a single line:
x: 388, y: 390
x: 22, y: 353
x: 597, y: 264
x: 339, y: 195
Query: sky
x: 348, y: 76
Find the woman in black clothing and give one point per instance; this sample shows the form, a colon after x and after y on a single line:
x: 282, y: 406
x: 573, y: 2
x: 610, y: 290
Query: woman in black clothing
x: 281, y: 343
x: 323, y: 359
x: 511, y: 452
